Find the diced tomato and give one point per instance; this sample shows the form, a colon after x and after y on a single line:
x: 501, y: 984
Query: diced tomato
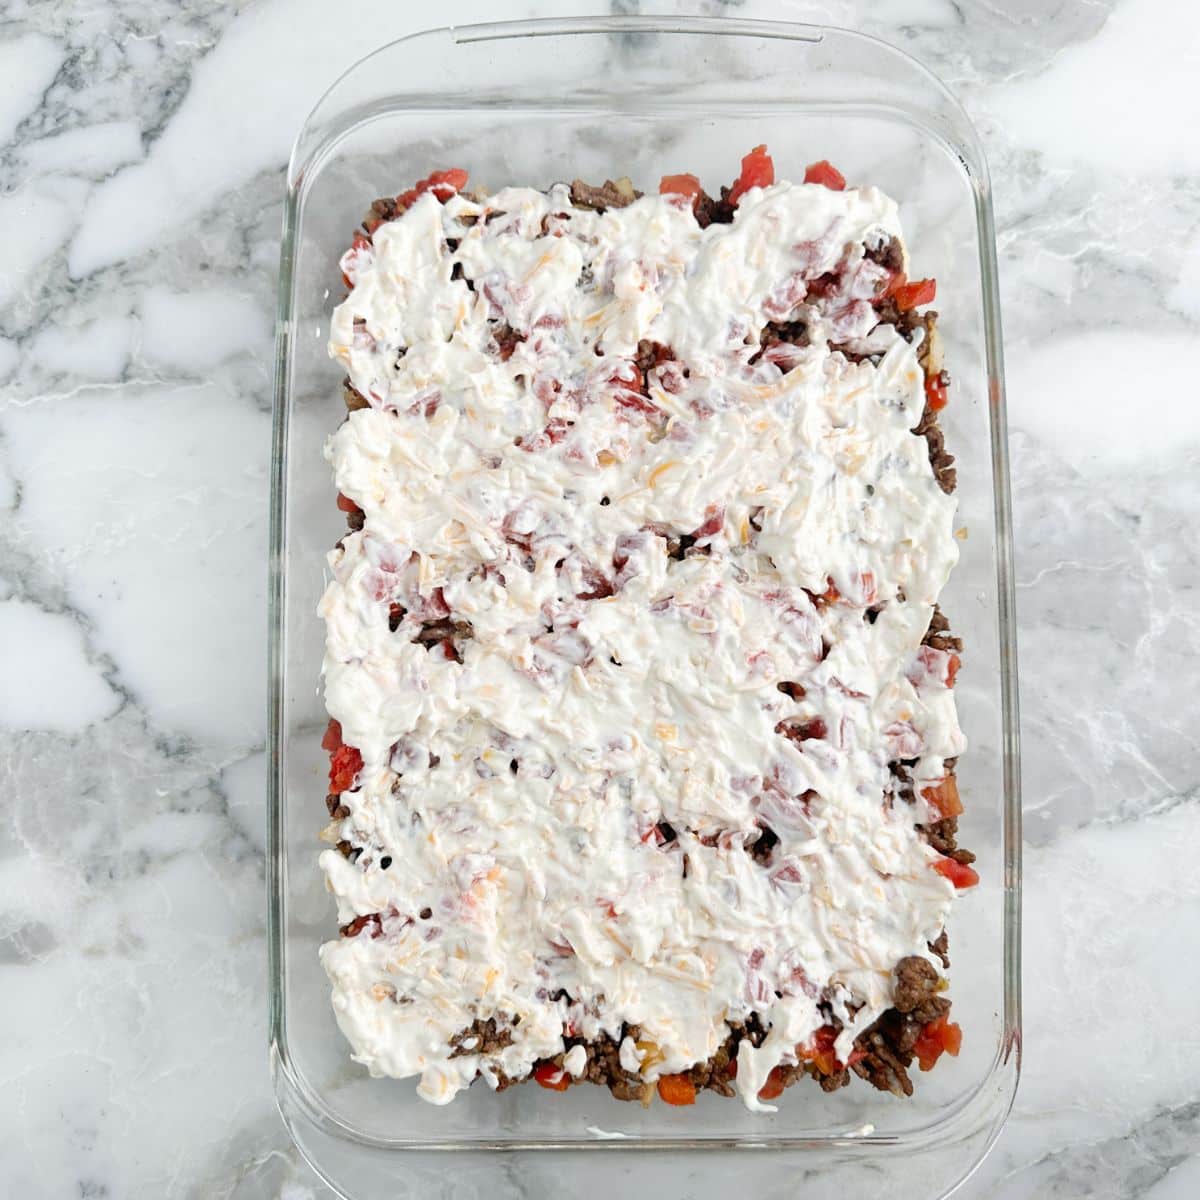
x: 824, y: 1038
x: 628, y: 376
x: 346, y: 504
x: 826, y: 1062
x: 549, y: 1076
x: 910, y: 295
x: 936, y: 395
x: 797, y: 731
x: 443, y: 184
x: 681, y: 185
x: 959, y: 874
x: 677, y: 1089
x: 773, y: 1088
x: 333, y: 736
x: 714, y: 522
x: 758, y: 170
x: 360, y: 241
x: 825, y: 173
x: 938, y: 1037
x: 830, y: 595
x: 943, y: 797
x: 933, y: 666
x: 371, y: 922
x: 952, y: 1038
x: 855, y: 1056
x: 344, y: 765
x: 636, y: 402
x: 820, y: 1052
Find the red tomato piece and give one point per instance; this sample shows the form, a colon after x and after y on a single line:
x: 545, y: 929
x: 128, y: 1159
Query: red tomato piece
x: 758, y: 170
x: 820, y: 1051
x: 830, y: 595
x: 936, y: 395
x: 773, y: 1088
x: 910, y: 295
x: 943, y: 797
x: 333, y: 736
x: 553, y: 1078
x: 714, y: 522
x: 952, y: 669
x: 952, y: 1038
x: 813, y: 729
x: 681, y: 185
x: 371, y: 922
x: 346, y: 504
x: 344, y: 765
x: 959, y: 874
x: 939, y: 1036
x: 825, y: 173
x: 443, y: 184
x: 824, y: 1038
x: 677, y: 1089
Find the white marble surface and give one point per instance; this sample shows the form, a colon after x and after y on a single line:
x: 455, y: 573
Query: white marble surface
x: 141, y: 173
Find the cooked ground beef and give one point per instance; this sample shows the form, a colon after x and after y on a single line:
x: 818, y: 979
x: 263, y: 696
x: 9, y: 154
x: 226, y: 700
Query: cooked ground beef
x: 607, y: 195
x: 775, y: 333
x: 481, y: 1037
x: 383, y: 209
x: 941, y: 947
x: 940, y: 459
x: 884, y: 1051
x: 901, y: 772
x: 650, y: 355
x: 915, y: 981
x: 353, y: 397
x: 889, y: 255
x: 942, y: 836
x: 507, y: 339
x: 938, y: 634
x: 604, y: 1066
x: 884, y: 1065
x: 445, y: 632
x: 714, y: 212
x: 760, y: 849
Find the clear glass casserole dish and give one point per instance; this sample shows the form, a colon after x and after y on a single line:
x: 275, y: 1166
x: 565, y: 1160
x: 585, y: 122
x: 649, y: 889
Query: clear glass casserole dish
x: 531, y: 103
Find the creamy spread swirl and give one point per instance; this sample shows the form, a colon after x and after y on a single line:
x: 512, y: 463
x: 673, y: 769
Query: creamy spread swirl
x: 560, y: 637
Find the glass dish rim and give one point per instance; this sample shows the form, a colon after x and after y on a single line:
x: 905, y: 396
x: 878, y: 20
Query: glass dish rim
x: 307, y: 156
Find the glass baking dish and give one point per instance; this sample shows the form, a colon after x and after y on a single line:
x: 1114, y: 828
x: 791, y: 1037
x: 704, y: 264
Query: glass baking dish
x: 530, y: 103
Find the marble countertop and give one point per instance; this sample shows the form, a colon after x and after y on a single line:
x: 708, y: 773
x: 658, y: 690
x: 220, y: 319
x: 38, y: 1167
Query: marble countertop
x: 142, y: 146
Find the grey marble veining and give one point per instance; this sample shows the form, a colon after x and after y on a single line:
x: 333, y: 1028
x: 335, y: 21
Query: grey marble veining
x: 142, y: 145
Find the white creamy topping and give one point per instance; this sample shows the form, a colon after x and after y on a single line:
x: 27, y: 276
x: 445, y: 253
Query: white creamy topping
x: 557, y: 828
x: 575, y: 1061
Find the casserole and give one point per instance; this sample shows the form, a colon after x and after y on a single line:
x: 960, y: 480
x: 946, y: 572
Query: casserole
x: 545, y: 100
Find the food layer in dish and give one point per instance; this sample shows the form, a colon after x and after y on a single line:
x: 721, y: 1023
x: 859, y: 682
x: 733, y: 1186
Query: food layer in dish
x: 643, y: 724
